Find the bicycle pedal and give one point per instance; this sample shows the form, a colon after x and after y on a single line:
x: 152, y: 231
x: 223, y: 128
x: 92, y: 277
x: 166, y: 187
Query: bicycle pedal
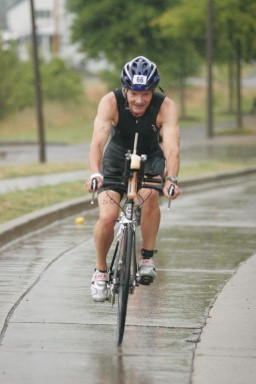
x: 112, y: 300
x: 146, y: 280
x: 116, y: 289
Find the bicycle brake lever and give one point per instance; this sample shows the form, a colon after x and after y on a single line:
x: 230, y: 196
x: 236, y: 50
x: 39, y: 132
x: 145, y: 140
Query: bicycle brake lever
x: 171, y: 193
x: 94, y: 185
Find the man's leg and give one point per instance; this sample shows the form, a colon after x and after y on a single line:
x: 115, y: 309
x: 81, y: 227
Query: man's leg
x: 150, y: 220
x: 103, y: 237
x: 104, y: 228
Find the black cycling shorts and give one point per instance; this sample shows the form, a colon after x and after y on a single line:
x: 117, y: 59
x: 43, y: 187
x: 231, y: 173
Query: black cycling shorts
x: 114, y: 162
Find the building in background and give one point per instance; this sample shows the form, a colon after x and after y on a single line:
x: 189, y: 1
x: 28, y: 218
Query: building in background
x: 53, y: 24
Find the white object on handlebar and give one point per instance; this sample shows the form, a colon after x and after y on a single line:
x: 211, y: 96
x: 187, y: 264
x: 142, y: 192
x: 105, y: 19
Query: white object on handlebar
x: 96, y: 175
x: 135, y: 161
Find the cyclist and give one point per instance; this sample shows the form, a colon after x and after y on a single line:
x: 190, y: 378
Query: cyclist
x: 135, y: 107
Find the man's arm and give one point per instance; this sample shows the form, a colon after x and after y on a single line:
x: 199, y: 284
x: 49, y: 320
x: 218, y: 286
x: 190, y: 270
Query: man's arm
x: 168, y: 118
x: 102, y: 125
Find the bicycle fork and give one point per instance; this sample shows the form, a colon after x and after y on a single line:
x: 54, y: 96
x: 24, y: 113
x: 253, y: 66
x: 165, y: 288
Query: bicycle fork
x: 116, y: 262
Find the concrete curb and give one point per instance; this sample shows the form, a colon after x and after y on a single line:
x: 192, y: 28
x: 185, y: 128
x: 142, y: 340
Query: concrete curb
x: 217, y: 177
x: 21, y: 226
x: 38, y: 219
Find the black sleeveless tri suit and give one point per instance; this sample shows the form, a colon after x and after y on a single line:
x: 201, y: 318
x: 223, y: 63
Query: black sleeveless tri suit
x: 122, y: 140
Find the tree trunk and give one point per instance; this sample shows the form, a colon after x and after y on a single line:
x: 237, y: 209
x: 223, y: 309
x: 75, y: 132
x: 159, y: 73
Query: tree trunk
x: 38, y: 89
x: 231, y: 87
x: 209, y: 56
x: 238, y: 86
x: 182, y: 96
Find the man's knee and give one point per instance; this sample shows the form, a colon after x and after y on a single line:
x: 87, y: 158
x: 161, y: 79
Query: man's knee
x: 150, y: 197
x: 108, y: 221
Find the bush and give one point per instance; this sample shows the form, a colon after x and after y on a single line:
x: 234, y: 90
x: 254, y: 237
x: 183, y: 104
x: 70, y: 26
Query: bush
x: 59, y: 82
x: 9, y: 77
x: 24, y: 90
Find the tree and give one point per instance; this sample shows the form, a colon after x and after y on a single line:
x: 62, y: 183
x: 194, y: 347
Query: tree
x: 175, y: 24
x: 117, y: 28
x: 120, y: 30
x: 234, y: 32
x: 236, y: 39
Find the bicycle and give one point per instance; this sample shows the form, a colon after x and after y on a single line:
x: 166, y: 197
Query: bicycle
x: 123, y: 274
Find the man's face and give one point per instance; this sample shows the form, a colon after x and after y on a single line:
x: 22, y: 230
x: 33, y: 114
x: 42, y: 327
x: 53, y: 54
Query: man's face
x: 139, y: 101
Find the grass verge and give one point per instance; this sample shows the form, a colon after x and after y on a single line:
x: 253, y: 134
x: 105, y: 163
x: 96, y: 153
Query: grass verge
x: 22, y: 170
x: 72, y: 122
x: 16, y: 204
x: 242, y: 131
x: 65, y: 122
x: 210, y: 168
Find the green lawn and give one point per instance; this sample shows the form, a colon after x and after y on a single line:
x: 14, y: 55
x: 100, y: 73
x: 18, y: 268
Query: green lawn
x: 71, y: 122
x: 21, y: 170
x: 16, y: 204
x: 211, y: 167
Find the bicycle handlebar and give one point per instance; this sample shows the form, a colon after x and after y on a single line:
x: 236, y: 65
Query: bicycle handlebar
x: 143, y: 184
x: 135, y: 166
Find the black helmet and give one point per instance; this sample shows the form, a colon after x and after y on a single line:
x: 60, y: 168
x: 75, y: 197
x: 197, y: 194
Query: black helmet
x: 140, y: 74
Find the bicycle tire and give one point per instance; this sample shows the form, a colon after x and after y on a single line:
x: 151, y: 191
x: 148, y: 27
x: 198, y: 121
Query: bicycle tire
x: 124, y: 283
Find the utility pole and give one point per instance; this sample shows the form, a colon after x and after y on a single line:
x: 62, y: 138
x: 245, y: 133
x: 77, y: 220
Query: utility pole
x: 238, y: 87
x: 209, y: 55
x: 56, y: 41
x: 38, y: 91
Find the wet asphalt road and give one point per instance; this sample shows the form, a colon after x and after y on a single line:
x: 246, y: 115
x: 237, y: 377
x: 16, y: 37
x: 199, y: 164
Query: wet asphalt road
x: 195, y: 146
x: 53, y: 332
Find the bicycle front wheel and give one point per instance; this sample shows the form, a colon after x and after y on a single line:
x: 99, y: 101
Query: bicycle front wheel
x: 124, y: 283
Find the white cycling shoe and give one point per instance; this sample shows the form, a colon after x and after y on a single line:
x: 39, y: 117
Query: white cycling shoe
x: 147, y: 271
x: 99, y: 288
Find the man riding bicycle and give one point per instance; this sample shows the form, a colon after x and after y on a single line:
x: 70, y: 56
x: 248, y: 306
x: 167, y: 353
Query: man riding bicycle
x: 136, y: 107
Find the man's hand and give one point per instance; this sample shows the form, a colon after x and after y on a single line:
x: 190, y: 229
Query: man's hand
x: 99, y: 181
x: 166, y: 189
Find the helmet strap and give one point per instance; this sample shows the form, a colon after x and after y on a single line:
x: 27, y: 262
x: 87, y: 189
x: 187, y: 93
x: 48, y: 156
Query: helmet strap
x: 125, y: 90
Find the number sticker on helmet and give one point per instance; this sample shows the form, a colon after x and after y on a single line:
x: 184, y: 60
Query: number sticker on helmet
x: 139, y: 79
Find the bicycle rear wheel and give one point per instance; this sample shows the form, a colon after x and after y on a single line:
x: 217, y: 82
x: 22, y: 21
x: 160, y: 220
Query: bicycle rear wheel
x: 124, y: 283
